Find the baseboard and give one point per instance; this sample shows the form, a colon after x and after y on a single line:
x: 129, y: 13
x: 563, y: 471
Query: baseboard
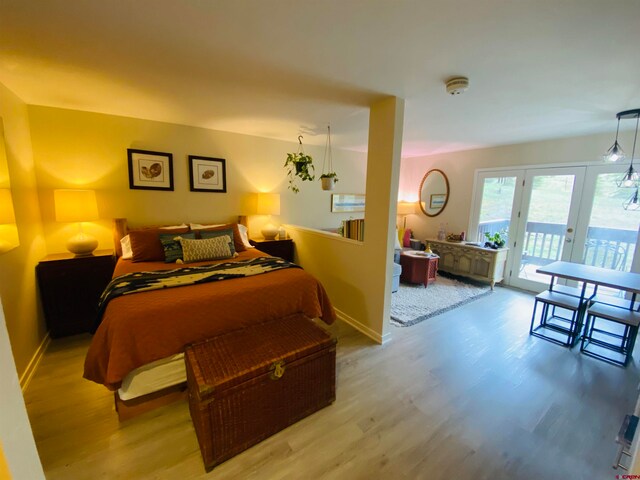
x: 26, y: 377
x: 372, y: 334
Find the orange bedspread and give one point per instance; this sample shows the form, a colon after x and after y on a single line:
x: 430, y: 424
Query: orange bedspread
x: 143, y: 327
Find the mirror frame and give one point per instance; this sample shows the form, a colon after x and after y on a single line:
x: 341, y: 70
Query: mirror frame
x: 446, y: 182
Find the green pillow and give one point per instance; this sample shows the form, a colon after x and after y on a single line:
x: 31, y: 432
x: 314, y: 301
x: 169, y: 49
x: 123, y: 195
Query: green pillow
x: 172, y: 248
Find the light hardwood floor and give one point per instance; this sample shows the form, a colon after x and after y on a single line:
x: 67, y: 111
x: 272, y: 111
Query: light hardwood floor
x: 466, y: 395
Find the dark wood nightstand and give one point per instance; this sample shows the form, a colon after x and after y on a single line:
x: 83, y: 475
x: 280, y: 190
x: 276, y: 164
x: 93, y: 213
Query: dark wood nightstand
x: 70, y: 288
x: 277, y: 248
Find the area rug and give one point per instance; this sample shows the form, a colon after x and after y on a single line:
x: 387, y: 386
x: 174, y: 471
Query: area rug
x: 412, y: 304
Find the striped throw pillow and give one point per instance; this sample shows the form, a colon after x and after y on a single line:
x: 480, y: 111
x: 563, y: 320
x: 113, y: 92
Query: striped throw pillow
x: 206, y: 249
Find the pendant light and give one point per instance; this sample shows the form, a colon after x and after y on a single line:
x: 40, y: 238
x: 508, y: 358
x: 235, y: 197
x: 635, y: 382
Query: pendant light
x: 631, y: 177
x: 614, y: 153
x: 632, y: 203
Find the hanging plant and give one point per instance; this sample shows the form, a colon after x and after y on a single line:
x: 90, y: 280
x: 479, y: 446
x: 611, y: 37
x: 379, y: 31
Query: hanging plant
x: 299, y: 165
x: 329, y: 178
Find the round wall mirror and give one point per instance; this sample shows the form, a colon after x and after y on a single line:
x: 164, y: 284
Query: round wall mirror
x: 434, y: 192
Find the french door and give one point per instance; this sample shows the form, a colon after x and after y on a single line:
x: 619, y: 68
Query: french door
x: 557, y: 213
x: 546, y: 226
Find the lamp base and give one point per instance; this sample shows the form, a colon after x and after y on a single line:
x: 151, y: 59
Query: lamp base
x: 269, y: 231
x: 82, y: 244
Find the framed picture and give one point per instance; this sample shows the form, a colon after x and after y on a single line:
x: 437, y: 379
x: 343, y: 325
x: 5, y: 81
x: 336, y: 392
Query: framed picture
x: 150, y: 170
x: 350, y: 202
x: 437, y: 200
x: 207, y: 174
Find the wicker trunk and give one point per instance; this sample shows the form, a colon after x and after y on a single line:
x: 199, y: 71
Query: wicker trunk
x: 249, y: 384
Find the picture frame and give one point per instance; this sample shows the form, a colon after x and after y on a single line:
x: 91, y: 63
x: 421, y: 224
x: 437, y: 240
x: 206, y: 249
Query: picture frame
x: 207, y: 174
x: 437, y: 200
x: 150, y: 170
x: 347, y: 202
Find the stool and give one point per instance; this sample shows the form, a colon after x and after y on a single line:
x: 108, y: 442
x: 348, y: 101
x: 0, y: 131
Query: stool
x: 628, y: 319
x: 555, y: 328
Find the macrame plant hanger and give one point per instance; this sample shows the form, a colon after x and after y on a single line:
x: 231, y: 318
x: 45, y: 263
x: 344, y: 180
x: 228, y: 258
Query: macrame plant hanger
x: 328, y: 177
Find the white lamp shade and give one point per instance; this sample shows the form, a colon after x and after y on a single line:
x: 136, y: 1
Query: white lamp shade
x: 7, y: 214
x: 406, y: 208
x: 268, y: 204
x: 75, y: 205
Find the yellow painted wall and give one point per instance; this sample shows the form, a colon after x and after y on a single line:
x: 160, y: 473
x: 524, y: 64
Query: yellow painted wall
x: 78, y: 149
x: 357, y: 275
x: 18, y: 291
x: 460, y: 168
x: 4, y: 468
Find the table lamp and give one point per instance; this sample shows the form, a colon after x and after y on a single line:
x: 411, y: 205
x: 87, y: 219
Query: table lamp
x: 77, y: 206
x: 8, y: 235
x: 404, y: 209
x: 269, y: 204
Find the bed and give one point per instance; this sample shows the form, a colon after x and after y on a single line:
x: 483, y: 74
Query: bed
x: 137, y: 348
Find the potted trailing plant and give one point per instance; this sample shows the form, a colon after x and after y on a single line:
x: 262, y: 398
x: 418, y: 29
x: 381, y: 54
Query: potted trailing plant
x: 496, y: 240
x: 299, y: 165
x: 328, y: 180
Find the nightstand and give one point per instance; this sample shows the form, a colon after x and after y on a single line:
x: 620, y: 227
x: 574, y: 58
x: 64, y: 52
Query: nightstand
x: 70, y: 288
x: 277, y: 248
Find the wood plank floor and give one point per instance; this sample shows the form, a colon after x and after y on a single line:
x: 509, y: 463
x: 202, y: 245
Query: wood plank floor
x: 466, y: 395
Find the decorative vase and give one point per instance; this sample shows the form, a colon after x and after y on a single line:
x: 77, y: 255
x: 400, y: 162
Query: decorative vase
x: 328, y: 183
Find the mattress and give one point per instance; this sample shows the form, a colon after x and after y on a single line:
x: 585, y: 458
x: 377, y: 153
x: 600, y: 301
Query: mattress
x: 152, y: 377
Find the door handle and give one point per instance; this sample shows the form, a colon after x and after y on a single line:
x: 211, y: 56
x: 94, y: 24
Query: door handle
x: 568, y: 240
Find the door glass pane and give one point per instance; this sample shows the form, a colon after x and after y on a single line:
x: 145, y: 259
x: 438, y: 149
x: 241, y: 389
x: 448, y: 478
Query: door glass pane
x: 496, y: 206
x: 612, y: 231
x: 546, y: 225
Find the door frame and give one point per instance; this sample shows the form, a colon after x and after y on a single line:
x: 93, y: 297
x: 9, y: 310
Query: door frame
x: 478, y: 190
x: 517, y: 243
x: 592, y: 169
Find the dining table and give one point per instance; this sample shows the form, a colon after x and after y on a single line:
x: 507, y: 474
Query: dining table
x: 591, y: 275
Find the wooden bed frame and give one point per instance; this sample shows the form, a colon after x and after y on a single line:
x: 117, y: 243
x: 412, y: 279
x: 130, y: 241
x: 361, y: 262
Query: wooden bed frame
x: 127, y: 409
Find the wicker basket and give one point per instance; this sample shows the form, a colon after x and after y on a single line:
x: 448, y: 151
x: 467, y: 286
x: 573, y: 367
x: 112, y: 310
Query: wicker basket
x: 249, y: 384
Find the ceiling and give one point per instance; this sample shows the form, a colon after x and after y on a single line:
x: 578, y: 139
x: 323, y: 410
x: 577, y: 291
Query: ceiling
x: 539, y: 69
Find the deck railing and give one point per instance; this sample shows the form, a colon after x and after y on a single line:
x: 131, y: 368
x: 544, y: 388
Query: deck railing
x: 611, y: 248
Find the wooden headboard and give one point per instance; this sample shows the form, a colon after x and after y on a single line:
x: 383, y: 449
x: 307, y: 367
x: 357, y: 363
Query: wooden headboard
x: 121, y: 229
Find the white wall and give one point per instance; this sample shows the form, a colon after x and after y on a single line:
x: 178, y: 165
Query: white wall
x: 16, y: 438
x: 460, y: 169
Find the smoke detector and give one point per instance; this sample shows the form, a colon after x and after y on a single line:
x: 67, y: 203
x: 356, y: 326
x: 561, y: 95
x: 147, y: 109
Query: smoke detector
x: 457, y: 85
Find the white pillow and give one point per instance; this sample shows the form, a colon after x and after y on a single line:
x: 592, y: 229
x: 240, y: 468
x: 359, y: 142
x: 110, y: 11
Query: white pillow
x: 244, y: 235
x: 198, y: 226
x: 125, y: 242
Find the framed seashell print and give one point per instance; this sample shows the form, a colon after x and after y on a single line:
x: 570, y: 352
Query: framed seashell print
x: 150, y: 170
x: 207, y: 174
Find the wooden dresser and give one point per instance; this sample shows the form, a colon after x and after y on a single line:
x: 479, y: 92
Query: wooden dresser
x: 478, y: 263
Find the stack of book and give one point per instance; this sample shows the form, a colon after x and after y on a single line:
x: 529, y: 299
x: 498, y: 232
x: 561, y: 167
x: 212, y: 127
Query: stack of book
x: 353, y: 229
